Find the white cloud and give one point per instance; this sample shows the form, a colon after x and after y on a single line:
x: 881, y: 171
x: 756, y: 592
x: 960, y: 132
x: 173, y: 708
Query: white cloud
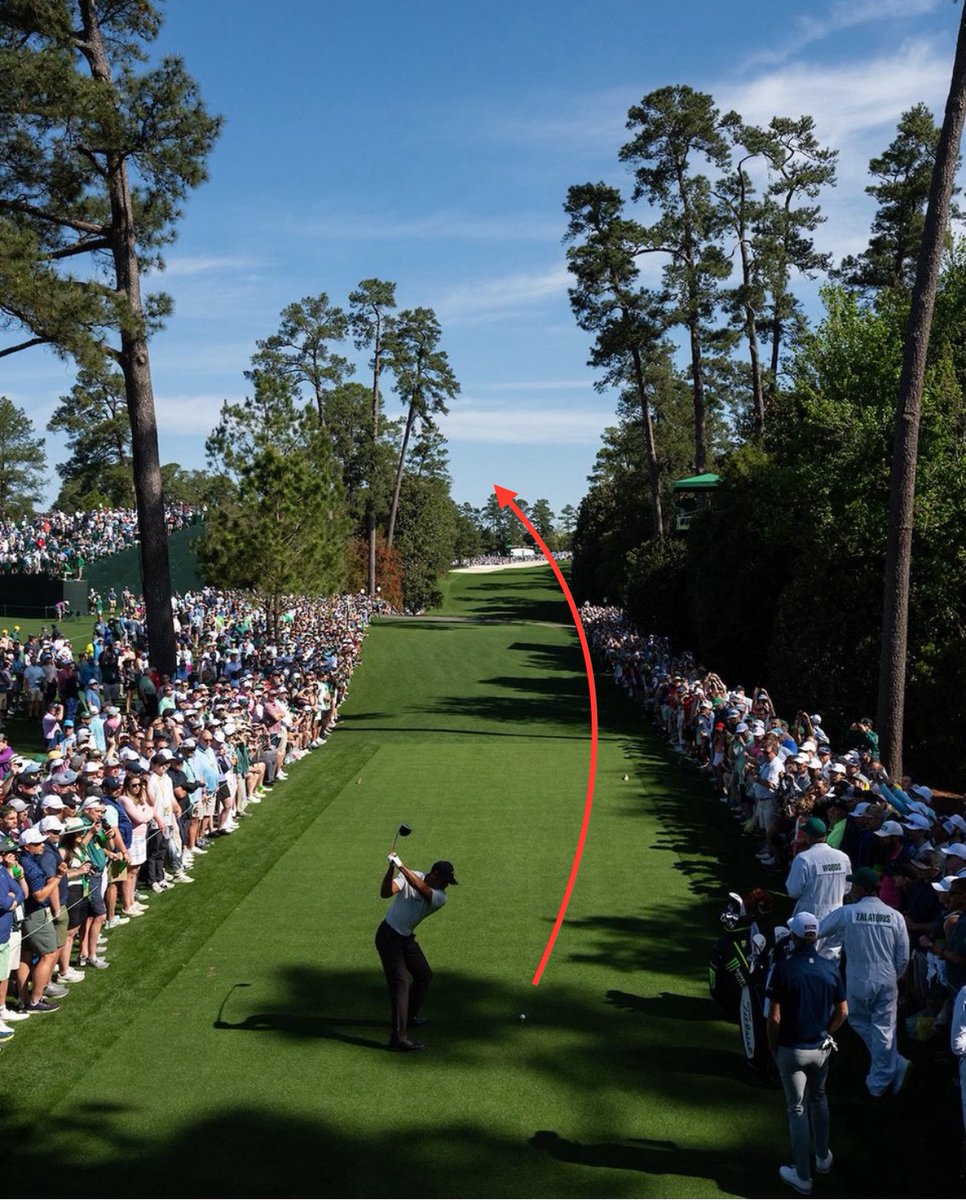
x: 189, y: 413
x: 845, y: 14
x: 506, y: 424
x: 493, y: 299
x: 849, y: 99
x: 856, y: 106
x: 206, y: 264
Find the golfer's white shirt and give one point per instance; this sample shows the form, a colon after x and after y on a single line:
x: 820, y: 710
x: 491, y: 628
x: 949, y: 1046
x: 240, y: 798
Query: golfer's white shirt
x: 409, y: 907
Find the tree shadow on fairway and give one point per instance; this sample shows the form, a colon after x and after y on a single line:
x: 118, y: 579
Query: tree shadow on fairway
x: 666, y: 940
x: 736, y: 1176
x: 529, y: 597
x: 667, y: 1004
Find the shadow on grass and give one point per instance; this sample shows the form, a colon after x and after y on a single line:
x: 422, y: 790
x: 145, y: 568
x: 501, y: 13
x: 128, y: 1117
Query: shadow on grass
x: 310, y: 1147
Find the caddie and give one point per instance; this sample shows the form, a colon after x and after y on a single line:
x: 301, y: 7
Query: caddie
x: 877, y: 951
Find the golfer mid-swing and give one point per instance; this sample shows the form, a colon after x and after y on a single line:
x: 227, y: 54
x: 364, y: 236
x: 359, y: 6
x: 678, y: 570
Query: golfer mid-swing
x: 415, y: 896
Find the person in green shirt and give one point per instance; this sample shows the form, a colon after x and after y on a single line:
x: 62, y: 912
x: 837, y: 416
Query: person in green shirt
x: 836, y: 817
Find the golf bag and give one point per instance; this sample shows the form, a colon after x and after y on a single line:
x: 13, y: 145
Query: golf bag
x: 738, y: 971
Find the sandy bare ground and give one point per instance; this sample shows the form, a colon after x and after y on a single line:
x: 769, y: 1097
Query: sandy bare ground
x: 488, y: 569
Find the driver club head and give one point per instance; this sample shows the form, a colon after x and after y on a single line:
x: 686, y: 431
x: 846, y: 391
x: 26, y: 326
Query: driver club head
x: 404, y: 830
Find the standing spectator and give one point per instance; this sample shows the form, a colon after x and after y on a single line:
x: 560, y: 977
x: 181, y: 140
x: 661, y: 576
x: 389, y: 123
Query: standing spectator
x: 807, y: 1006
x: 877, y: 949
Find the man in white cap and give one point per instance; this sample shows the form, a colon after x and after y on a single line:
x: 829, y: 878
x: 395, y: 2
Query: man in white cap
x: 807, y: 1005
x: 877, y: 949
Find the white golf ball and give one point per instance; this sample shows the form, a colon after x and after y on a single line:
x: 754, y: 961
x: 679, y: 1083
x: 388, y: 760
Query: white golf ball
x: 523, y: 1016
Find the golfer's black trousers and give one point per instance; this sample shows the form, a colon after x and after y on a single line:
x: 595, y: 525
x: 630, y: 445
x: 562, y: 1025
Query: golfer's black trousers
x: 407, y: 975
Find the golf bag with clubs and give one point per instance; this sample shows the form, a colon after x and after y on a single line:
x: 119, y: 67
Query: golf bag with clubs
x: 738, y: 974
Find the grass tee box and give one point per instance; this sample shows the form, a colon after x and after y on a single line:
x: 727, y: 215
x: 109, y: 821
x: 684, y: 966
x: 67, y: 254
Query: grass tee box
x: 238, y: 1045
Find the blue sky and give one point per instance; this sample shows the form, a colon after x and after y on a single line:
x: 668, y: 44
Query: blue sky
x: 432, y: 142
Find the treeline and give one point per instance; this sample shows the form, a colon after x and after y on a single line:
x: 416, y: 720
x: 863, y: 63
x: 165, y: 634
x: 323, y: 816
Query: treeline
x: 317, y: 488
x: 782, y: 581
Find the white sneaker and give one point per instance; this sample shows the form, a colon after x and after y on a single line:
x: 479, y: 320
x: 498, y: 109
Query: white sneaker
x: 181, y: 877
x: 198, y: 850
x: 116, y: 921
x: 71, y: 975
x: 823, y: 1165
x: 133, y: 912
x: 11, y: 1014
x: 281, y: 775
x: 100, y: 963
x: 158, y: 887
x: 790, y: 1176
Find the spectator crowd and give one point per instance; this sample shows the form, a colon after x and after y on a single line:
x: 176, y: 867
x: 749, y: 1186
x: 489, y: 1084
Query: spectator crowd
x: 61, y: 544
x: 877, y: 865
x: 144, y: 773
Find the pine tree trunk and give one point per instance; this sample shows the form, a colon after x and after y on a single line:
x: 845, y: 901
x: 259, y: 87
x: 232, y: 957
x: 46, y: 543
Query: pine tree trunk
x: 697, y: 377
x: 650, y: 449
x: 902, y: 491
x: 410, y: 418
x: 136, y: 368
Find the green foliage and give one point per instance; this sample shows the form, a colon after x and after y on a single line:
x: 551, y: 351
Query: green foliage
x: 655, y: 588
x: 785, y: 575
x: 279, y: 525
x: 72, y: 138
x: 468, y: 541
x: 426, y: 539
x: 903, y: 173
x: 300, y: 351
x: 424, y: 383
x: 284, y: 530
x: 23, y: 462
x: 94, y: 418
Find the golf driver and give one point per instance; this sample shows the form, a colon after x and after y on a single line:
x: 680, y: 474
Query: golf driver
x: 404, y: 830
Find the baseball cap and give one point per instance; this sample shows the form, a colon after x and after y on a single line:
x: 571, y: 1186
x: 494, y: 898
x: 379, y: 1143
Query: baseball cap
x: 954, y: 822
x: 32, y: 837
x: 957, y: 848
x: 944, y: 884
x: 446, y: 869
x: 889, y: 829
x: 804, y: 925
x: 815, y: 827
x: 865, y: 877
x: 52, y: 825
x: 915, y: 820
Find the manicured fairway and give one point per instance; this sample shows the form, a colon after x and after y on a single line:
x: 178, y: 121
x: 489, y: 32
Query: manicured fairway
x: 236, y: 1047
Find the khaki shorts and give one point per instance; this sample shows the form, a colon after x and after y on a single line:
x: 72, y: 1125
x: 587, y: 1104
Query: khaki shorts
x: 39, y: 933
x: 60, y: 925
x: 16, y: 939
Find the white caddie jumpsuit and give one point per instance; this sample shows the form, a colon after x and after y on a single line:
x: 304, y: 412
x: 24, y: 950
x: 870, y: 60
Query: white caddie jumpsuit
x: 877, y: 951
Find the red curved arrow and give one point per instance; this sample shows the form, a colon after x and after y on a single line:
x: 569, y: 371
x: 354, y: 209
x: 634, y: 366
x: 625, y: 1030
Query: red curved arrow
x: 506, y: 498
